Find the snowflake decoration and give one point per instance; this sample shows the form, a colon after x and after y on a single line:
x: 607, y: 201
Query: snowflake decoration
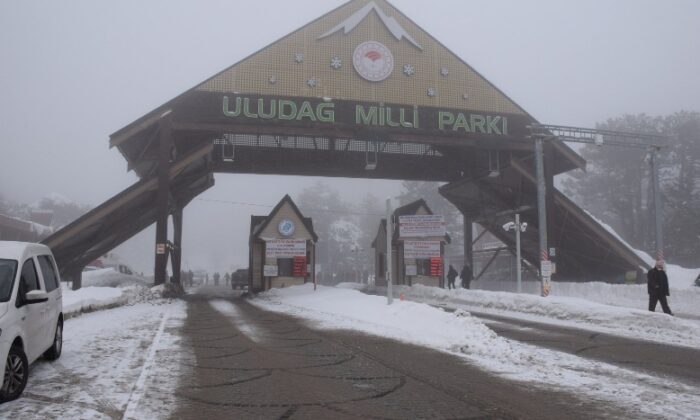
x: 272, y: 80
x: 299, y: 57
x: 312, y: 82
x: 444, y: 71
x: 336, y: 62
x: 431, y: 92
x: 409, y: 70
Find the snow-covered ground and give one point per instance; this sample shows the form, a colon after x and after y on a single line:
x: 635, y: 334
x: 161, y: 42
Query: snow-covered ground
x: 103, y: 289
x: 461, y: 334
x: 108, y: 367
x: 109, y: 277
x: 569, y: 311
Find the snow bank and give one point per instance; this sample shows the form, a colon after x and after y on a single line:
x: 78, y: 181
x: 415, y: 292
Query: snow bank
x: 351, y: 285
x: 571, y: 311
x: 90, y: 299
x: 681, y: 278
x: 462, y: 335
x: 683, y: 301
x: 405, y: 321
x: 109, y: 277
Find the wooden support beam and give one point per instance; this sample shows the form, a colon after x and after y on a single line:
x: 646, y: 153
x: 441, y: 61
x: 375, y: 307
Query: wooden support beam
x: 468, y: 242
x: 488, y: 264
x: 162, y: 201
x: 177, y: 240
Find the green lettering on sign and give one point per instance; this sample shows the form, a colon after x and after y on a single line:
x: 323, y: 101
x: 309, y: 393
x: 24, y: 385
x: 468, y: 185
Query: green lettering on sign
x: 366, y: 118
x: 292, y: 110
x: 306, y: 112
x: 445, y: 118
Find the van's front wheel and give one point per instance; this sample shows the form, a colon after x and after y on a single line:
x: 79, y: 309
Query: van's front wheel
x: 54, y: 352
x: 16, y: 374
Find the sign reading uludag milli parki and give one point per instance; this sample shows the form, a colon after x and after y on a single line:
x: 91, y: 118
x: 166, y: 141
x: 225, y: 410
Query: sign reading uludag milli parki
x: 328, y: 111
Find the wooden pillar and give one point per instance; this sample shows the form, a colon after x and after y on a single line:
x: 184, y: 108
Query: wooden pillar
x: 177, y: 252
x: 468, y: 242
x: 75, y: 277
x: 162, y: 202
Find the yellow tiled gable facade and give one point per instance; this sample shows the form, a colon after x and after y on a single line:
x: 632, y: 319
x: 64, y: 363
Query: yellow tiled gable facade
x: 317, y: 61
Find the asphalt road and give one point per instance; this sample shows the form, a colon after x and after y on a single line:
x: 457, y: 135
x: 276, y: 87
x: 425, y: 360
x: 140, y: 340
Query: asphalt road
x: 255, y: 364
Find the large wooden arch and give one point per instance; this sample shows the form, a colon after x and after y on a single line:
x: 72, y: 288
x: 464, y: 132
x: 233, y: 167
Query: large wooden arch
x: 360, y: 92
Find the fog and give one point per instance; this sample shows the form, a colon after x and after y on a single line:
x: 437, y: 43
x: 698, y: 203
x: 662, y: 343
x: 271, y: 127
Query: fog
x: 74, y: 72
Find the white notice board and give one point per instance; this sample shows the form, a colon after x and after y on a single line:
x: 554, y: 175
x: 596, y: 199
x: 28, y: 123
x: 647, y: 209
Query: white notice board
x: 421, y: 249
x: 285, y: 248
x: 420, y: 226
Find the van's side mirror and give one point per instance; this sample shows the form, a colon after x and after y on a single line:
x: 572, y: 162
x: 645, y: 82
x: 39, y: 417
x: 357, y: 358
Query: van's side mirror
x: 35, y: 296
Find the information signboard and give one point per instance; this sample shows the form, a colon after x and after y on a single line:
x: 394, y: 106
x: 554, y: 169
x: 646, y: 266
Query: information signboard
x: 411, y: 270
x: 420, y: 226
x: 285, y: 248
x: 546, y: 268
x: 270, y: 271
x: 421, y: 249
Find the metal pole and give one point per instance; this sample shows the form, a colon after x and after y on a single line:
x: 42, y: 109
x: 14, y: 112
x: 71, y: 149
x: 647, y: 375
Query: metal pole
x: 542, y: 217
x: 517, y: 252
x: 389, y: 236
x: 656, y: 189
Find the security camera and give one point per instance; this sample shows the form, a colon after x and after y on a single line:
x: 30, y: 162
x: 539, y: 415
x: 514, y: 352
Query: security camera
x: 508, y: 226
x: 523, y: 226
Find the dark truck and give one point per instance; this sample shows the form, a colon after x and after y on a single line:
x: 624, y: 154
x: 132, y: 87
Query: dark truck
x: 239, y: 279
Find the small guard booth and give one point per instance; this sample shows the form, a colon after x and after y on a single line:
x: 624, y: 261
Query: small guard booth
x: 418, y: 247
x: 282, y: 248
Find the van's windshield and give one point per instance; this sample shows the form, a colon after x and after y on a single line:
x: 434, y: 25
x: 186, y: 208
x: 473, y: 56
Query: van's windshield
x: 8, y: 268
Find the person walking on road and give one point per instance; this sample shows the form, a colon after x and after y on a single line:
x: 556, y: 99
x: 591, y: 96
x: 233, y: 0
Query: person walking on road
x: 466, y: 276
x: 657, y: 287
x: 451, y: 276
x: 216, y: 278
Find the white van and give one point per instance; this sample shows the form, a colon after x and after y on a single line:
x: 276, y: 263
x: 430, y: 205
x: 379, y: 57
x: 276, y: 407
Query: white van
x: 31, y: 312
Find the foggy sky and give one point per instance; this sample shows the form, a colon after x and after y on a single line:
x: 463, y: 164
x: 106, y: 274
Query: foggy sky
x: 71, y: 73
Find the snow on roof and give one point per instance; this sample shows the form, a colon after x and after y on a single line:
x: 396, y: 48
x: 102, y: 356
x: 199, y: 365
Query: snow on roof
x: 41, y: 230
x: 641, y: 254
x: 678, y: 277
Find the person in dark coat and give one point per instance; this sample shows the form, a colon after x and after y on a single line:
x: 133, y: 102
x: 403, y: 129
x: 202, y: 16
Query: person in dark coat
x: 451, y: 276
x: 466, y: 276
x: 657, y: 287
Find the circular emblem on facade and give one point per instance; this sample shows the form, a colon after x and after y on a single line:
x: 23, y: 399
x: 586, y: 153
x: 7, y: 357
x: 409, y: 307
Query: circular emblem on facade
x: 373, y: 61
x: 286, y: 227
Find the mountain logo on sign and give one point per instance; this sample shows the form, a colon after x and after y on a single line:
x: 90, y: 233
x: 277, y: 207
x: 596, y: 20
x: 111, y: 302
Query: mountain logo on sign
x: 356, y: 18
